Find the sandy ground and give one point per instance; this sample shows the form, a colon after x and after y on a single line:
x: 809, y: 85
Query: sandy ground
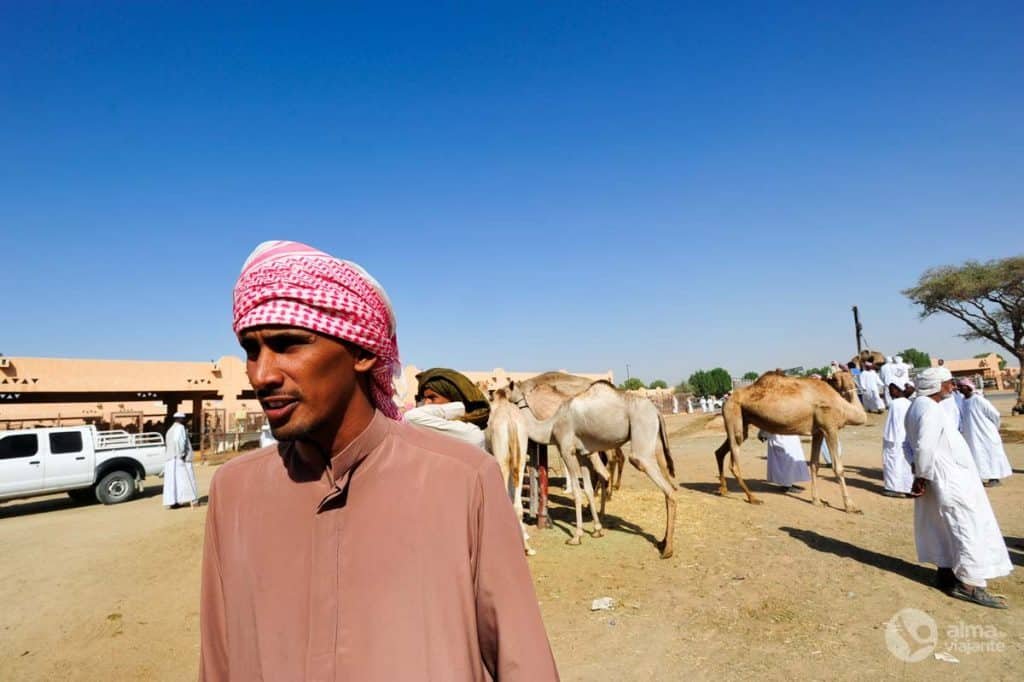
x: 783, y: 589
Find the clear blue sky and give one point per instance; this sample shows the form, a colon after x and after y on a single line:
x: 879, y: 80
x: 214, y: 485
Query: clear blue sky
x: 577, y: 185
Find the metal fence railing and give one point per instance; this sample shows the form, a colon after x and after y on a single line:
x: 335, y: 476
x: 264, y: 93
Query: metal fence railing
x: 226, y: 442
x: 112, y: 440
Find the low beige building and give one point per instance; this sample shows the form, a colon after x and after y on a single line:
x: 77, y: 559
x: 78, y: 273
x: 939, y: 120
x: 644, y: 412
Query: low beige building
x: 141, y: 395
x: 986, y: 367
x: 120, y: 392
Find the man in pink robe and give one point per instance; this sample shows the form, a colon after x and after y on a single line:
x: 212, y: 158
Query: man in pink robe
x: 357, y: 547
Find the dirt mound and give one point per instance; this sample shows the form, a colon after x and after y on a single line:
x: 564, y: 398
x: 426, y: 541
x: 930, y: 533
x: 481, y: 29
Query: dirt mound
x: 692, y: 425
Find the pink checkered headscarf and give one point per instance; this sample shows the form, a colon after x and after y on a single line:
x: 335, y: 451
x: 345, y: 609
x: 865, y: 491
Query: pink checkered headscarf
x: 296, y: 285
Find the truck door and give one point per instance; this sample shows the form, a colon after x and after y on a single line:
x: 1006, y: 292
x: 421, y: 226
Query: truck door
x: 69, y: 463
x: 21, y: 463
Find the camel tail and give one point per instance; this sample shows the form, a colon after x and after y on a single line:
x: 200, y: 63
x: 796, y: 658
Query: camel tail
x: 666, y: 459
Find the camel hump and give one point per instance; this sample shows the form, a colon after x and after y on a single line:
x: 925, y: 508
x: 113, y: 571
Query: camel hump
x: 546, y: 392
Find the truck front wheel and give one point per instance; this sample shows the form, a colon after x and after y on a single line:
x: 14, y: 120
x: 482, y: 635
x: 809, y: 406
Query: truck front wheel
x: 116, y: 487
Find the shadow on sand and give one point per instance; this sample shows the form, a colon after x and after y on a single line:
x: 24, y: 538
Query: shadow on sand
x: 563, y: 517
x: 1016, y: 548
x: 874, y: 473
x: 828, y: 545
x: 50, y: 504
x: 755, y: 486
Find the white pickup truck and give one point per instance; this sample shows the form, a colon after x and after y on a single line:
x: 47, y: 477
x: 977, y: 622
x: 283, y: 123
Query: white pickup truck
x: 108, y: 466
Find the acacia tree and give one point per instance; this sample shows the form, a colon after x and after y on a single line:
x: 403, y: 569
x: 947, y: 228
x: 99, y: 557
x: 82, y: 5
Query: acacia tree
x: 658, y: 383
x: 987, y: 297
x: 751, y: 376
x: 632, y: 384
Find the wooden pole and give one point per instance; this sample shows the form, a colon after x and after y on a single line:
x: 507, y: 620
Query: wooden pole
x: 857, y: 328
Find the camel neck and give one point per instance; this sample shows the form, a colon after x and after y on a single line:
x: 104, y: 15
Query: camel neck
x: 540, y: 431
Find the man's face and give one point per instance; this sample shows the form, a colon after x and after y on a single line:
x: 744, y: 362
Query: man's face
x: 303, y: 380
x: 966, y: 390
x: 432, y: 398
x: 947, y: 388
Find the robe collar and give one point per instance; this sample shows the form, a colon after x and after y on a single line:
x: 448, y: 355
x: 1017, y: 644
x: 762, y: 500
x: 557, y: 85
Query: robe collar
x: 362, y: 445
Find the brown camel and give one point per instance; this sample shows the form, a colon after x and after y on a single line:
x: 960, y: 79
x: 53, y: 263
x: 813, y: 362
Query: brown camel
x: 792, y: 406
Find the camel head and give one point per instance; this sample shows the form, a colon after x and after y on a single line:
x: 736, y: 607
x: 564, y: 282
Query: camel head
x: 513, y: 392
x: 845, y: 385
x: 498, y: 396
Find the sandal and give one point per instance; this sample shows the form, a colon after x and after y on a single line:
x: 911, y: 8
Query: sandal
x: 978, y: 595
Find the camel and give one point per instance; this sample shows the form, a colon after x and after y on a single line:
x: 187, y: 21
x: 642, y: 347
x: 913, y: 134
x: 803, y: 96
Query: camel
x: 603, y: 418
x: 507, y: 439
x: 544, y: 394
x: 792, y: 406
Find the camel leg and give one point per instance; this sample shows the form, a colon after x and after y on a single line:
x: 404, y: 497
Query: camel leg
x: 617, y: 464
x: 644, y: 440
x: 570, y: 484
x: 837, y: 465
x: 597, y: 465
x: 816, y: 439
x: 606, y: 490
x: 654, y: 473
x: 720, y: 454
x: 588, y: 490
x: 735, y: 434
x: 572, y: 472
x: 734, y: 467
x: 517, y: 502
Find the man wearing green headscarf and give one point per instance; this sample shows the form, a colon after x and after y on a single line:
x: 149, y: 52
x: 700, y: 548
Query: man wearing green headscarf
x: 450, y: 403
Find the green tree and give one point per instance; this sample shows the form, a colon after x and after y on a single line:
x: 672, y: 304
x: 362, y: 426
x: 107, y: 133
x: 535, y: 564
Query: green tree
x: 917, y: 358
x: 658, y: 383
x: 698, y: 381
x: 684, y: 387
x: 751, y: 376
x: 632, y: 384
x: 717, y: 382
x: 721, y: 381
x: 988, y: 298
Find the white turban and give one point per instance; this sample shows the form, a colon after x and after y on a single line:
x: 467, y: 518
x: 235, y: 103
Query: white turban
x: 899, y: 359
x: 929, y: 382
x: 888, y: 358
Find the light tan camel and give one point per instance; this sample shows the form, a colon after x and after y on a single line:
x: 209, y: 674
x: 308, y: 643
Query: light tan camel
x: 792, y: 406
x: 544, y: 394
x: 507, y: 440
x: 603, y: 418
